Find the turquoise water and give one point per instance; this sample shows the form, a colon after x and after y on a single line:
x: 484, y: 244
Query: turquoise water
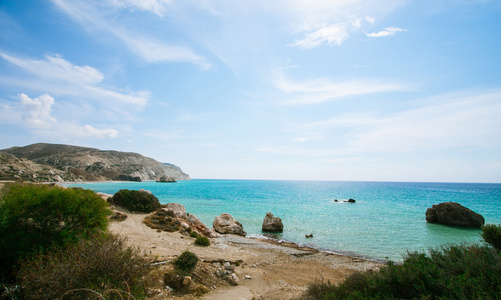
x: 387, y: 219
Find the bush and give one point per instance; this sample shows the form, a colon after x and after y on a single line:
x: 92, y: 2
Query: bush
x: 140, y: 201
x: 37, y: 218
x: 186, y: 262
x: 202, y: 241
x: 101, y: 265
x: 447, y: 272
x: 492, y: 234
x: 194, y: 234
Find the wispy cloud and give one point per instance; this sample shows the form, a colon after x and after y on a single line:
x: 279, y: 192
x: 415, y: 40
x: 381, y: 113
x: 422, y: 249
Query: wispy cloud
x: 157, y: 7
x: 56, y: 75
x: 318, y: 90
x: 91, y: 15
x: 456, y: 122
x: 331, y: 35
x: 388, y: 31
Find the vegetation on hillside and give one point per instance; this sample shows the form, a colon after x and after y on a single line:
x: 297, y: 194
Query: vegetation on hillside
x: 54, y: 245
x: 102, y: 265
x: 38, y: 218
x: 465, y: 271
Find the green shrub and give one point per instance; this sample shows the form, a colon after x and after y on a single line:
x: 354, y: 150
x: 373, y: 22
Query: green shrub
x: 136, y: 201
x: 492, y: 234
x: 202, y: 241
x: 37, y: 218
x: 194, y: 234
x: 101, y: 264
x: 174, y: 279
x: 186, y: 262
x: 447, y: 272
x: 161, y: 220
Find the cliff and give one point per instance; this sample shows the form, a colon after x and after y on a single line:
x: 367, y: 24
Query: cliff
x: 53, y: 162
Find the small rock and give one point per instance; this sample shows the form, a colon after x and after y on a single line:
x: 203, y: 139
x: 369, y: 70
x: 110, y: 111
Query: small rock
x: 233, y: 279
x: 247, y: 277
x: 230, y: 267
x: 186, y: 280
x: 308, y: 236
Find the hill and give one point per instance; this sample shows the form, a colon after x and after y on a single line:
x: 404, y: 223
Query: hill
x: 55, y: 162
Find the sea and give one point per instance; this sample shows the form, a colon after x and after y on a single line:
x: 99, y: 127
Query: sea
x: 387, y: 220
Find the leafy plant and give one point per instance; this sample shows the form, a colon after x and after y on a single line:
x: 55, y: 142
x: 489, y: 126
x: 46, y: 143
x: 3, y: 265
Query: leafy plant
x: 202, y: 241
x: 186, y: 262
x: 193, y: 234
x: 447, y: 272
x: 98, y: 265
x: 137, y: 201
x: 38, y: 218
x: 492, y: 234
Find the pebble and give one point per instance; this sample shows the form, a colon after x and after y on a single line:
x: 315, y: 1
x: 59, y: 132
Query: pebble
x: 247, y: 277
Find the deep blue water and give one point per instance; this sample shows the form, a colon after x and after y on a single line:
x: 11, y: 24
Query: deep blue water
x: 387, y: 219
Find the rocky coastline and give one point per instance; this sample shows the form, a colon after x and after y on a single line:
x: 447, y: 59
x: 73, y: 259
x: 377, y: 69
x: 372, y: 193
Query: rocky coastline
x: 232, y: 266
x: 65, y: 163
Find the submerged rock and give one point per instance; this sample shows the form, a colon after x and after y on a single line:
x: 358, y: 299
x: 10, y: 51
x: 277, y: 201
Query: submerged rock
x: 454, y: 214
x: 272, y: 224
x: 226, y: 224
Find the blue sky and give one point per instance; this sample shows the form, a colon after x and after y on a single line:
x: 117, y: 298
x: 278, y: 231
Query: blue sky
x: 305, y: 90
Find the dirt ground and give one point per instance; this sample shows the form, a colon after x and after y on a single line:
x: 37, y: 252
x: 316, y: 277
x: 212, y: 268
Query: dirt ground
x: 265, y: 269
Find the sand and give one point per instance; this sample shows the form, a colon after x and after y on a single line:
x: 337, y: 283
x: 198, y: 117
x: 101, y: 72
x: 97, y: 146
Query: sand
x: 266, y: 269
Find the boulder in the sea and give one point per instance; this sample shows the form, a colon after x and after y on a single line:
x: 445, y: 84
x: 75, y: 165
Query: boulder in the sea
x: 272, y: 224
x: 351, y: 200
x: 166, y: 179
x: 178, y: 209
x: 308, y: 236
x: 226, y: 224
x: 454, y: 214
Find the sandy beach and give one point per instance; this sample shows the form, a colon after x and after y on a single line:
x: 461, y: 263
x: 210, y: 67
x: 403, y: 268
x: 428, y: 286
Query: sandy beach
x: 265, y: 269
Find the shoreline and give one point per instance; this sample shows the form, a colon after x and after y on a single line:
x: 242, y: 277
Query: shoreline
x: 259, y: 236
x: 266, y: 268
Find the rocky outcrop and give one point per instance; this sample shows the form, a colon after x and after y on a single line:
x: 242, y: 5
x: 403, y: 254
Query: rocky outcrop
x: 272, y: 224
x: 225, y: 224
x: 73, y: 163
x: 454, y: 214
x: 173, y: 217
x: 177, y: 209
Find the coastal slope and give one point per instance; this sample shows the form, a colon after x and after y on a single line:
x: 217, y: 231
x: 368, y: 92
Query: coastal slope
x: 57, y: 162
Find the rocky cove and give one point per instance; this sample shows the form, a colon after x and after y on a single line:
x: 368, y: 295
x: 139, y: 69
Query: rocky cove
x: 232, y: 266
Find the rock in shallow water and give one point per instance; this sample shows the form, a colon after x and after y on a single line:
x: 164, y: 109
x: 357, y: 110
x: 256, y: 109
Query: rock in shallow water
x: 272, y: 224
x: 454, y: 214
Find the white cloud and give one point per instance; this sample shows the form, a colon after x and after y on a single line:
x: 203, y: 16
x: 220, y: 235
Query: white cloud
x: 370, y: 19
x: 386, y: 32
x: 36, y: 115
x: 93, y: 16
x: 59, y: 76
x: 320, y: 90
x: 99, y: 133
x: 37, y: 111
x: 331, y: 35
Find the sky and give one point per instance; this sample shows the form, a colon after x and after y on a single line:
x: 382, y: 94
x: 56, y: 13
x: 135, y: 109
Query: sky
x: 351, y: 90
